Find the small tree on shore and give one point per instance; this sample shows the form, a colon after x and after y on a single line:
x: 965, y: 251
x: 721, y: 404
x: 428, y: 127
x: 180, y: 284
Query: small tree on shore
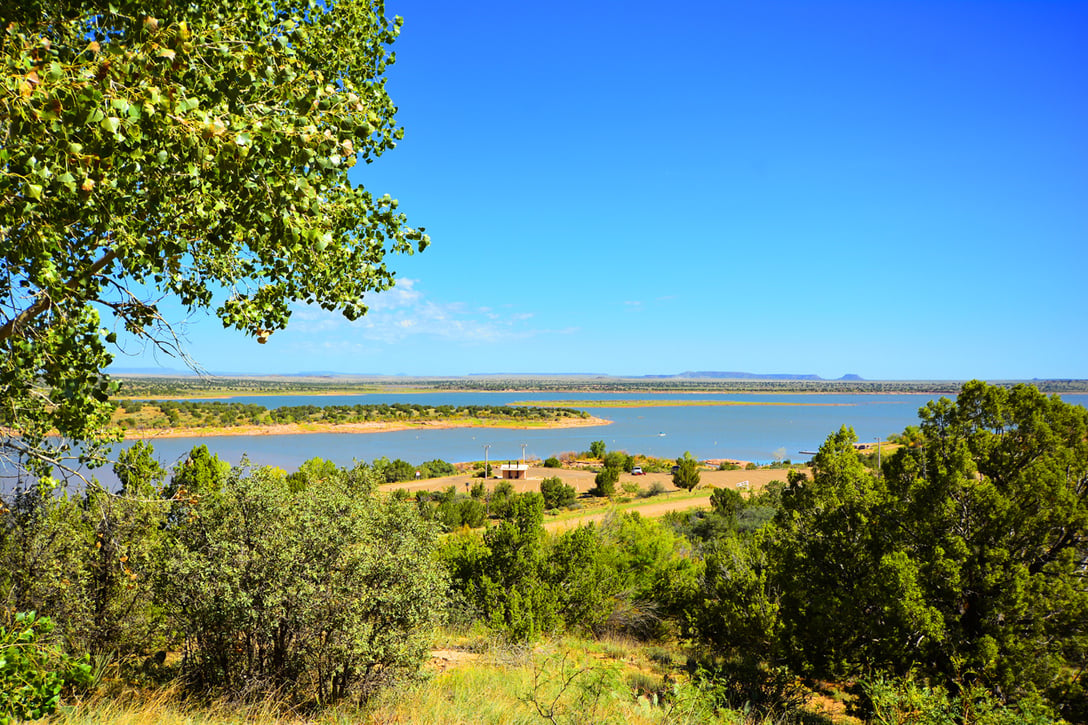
x: 686, y: 475
x: 605, y: 482
x: 556, y: 493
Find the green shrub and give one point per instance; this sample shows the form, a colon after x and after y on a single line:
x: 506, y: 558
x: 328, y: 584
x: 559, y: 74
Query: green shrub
x: 86, y: 561
x: 33, y: 670
x: 726, y: 502
x: 605, y: 482
x: 654, y: 489
x: 768, y: 693
x: 907, y: 702
x: 501, y: 496
x: 312, y: 596
x: 556, y: 493
x: 619, y: 460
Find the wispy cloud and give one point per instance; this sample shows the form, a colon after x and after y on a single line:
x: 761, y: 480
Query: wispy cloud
x: 405, y: 311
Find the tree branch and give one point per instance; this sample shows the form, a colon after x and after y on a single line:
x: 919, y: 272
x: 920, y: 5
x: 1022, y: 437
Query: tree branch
x: 45, y: 303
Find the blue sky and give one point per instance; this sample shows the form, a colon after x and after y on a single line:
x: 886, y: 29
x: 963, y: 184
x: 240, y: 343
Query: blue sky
x: 893, y: 189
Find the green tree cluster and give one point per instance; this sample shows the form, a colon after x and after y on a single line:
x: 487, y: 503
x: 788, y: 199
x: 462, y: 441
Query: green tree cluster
x: 606, y: 479
x: 629, y: 575
x: 962, y: 562
x: 452, y: 509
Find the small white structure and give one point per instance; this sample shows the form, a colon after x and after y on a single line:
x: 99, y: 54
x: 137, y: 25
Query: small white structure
x: 514, y: 471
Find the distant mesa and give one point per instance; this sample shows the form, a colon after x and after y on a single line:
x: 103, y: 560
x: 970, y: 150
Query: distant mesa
x: 733, y: 375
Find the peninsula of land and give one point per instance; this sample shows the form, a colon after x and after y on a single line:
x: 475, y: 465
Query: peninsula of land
x: 191, y: 419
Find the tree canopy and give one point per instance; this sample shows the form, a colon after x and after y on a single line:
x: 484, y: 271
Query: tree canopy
x: 197, y: 152
x: 964, y: 562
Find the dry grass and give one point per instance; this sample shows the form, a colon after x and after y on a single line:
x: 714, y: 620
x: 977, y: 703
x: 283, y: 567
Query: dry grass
x: 565, y: 680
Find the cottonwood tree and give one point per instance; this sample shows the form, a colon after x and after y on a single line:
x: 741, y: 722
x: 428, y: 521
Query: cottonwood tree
x: 197, y: 152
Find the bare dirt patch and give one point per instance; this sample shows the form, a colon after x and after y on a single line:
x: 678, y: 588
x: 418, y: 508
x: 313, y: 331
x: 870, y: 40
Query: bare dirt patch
x: 444, y: 659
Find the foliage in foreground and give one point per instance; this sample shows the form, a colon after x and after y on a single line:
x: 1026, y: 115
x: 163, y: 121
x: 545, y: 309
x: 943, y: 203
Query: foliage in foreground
x: 329, y: 591
x: 33, y: 669
x: 908, y: 702
x: 953, y: 573
x: 314, y: 589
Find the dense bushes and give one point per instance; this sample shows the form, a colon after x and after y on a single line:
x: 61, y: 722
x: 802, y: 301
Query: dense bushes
x: 325, y: 593
x: 307, y: 586
x: 629, y: 574
x: 450, y: 509
x: 963, y: 563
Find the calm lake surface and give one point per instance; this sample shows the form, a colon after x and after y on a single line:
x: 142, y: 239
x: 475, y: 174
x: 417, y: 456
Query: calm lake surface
x: 794, y: 423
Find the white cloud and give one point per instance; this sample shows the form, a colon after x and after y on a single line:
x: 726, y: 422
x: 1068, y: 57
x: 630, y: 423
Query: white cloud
x: 405, y: 311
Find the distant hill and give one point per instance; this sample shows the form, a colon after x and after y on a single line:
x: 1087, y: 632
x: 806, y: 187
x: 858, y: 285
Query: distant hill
x: 733, y: 375
x: 687, y: 375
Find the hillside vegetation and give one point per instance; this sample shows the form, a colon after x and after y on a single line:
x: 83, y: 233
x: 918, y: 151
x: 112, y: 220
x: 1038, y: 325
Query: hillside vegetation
x: 945, y: 586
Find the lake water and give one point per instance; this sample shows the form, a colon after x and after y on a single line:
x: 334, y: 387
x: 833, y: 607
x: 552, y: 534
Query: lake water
x: 748, y: 432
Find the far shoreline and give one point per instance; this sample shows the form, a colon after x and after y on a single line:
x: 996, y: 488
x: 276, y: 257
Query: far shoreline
x: 349, y: 428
